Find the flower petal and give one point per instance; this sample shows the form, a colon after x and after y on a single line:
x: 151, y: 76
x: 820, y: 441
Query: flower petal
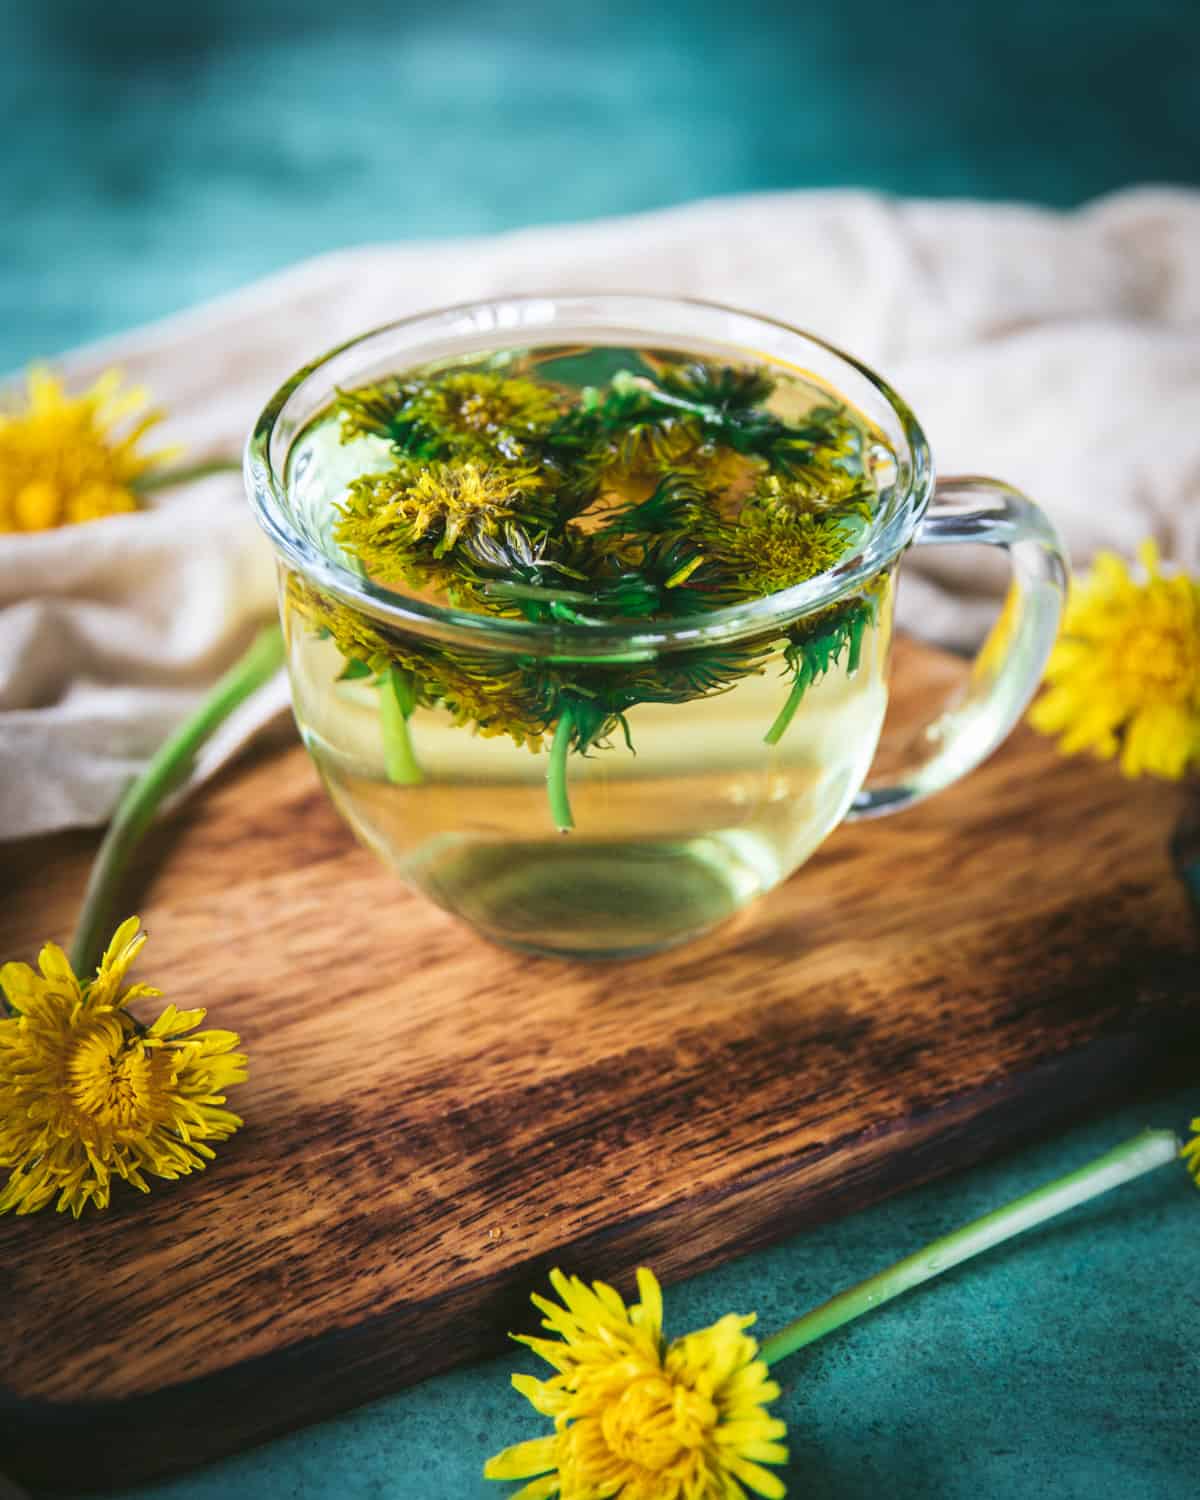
x: 541, y: 1395
x: 760, y: 1481
x: 650, y: 1303
x: 172, y: 1022
x: 20, y: 984
x: 534, y: 1456
x: 57, y: 971
x: 539, y: 1489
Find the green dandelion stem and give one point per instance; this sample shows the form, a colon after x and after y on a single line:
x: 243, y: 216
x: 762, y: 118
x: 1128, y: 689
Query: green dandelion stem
x: 659, y: 397
x: 396, y: 703
x: 1146, y: 1152
x: 787, y: 713
x: 570, y: 616
x: 165, y: 479
x: 167, y: 769
x: 858, y: 626
x: 500, y: 590
x: 556, y: 771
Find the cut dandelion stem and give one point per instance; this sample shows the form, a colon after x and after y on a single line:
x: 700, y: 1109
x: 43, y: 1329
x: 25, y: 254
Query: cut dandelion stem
x: 1146, y: 1152
x: 536, y: 593
x: 556, y: 772
x: 804, y: 676
x: 396, y: 703
x: 167, y: 769
x: 858, y: 626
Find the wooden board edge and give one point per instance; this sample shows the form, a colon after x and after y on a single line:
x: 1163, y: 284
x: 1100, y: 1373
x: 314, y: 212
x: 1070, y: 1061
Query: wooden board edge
x: 65, y: 1448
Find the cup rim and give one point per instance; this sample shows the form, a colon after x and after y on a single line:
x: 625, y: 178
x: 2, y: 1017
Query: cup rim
x: 515, y: 320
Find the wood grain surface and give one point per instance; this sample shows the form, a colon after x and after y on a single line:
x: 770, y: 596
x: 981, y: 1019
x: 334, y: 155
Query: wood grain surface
x: 433, y: 1122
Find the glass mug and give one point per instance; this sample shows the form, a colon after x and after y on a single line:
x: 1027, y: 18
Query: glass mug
x: 710, y: 812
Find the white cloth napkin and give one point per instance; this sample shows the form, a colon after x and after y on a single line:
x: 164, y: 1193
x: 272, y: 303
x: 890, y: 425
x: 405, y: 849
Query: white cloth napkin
x: 1059, y: 351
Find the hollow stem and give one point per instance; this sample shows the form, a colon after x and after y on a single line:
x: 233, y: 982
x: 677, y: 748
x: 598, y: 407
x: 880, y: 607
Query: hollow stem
x: 396, y: 704
x: 556, y: 772
x: 788, y: 712
x: 1144, y: 1153
x: 165, y: 479
x: 141, y: 801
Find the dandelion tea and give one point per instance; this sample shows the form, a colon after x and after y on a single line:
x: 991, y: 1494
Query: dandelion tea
x: 560, y: 802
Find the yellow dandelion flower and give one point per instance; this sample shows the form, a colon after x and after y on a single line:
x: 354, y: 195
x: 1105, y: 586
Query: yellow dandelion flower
x: 66, y: 459
x: 387, y: 513
x: 768, y: 552
x: 1124, y: 678
x: 638, y: 459
x: 640, y: 1419
x: 465, y: 415
x: 87, y: 1093
x: 492, y: 406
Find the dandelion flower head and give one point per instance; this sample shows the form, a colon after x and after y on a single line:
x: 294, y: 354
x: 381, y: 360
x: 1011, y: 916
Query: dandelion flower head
x: 66, y: 459
x: 1124, y: 679
x: 638, y: 1418
x: 89, y: 1094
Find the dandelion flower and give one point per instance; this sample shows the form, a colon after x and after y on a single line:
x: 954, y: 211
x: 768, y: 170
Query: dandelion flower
x: 493, y: 407
x: 465, y: 413
x: 432, y: 508
x: 769, y: 552
x: 640, y: 1419
x: 87, y: 1093
x: 1124, y: 678
x: 65, y: 459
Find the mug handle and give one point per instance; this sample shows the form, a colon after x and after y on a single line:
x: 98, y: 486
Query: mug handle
x: 1008, y: 668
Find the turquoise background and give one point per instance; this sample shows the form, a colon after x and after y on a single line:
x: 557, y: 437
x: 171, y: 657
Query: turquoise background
x: 158, y: 154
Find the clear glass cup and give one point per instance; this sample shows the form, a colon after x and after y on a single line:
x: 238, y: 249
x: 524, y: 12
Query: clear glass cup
x: 719, y: 803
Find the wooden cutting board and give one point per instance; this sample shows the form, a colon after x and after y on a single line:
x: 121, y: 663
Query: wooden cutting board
x: 433, y: 1122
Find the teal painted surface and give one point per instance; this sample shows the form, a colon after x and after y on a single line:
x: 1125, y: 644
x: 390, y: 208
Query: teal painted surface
x: 1065, y: 1365
x: 158, y: 155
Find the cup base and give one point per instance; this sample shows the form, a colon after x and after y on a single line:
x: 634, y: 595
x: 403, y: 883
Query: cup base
x: 592, y: 899
x: 593, y: 955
